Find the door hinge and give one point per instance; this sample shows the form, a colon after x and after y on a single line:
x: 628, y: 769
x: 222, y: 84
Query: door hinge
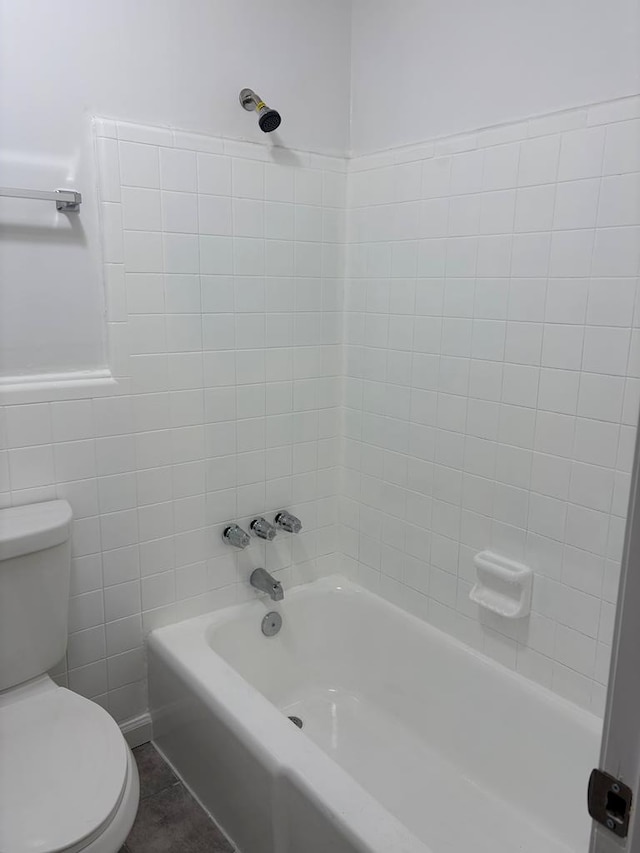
x: 609, y: 802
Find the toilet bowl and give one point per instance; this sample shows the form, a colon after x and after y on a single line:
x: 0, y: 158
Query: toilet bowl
x: 68, y: 780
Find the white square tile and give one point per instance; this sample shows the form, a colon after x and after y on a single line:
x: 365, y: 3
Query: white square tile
x: 466, y: 172
x: 118, y: 529
x: 74, y: 460
x: 86, y: 647
x: 616, y: 252
x: 622, y: 148
x: 180, y: 212
x: 182, y: 294
x: 571, y: 253
x: 588, y: 529
x: 86, y: 611
x: 611, y: 302
x: 31, y: 466
x: 248, y: 256
x: 279, y: 182
x: 606, y: 350
x: 581, y: 154
x: 143, y: 251
x: 144, y: 293
x: 117, y: 492
x: 577, y: 204
x: 554, y: 434
x: 139, y: 165
x: 494, y: 255
x: 216, y: 255
x: 547, y: 516
x: 247, y: 179
x: 530, y: 255
x: 308, y: 186
x: 562, y: 346
x: 436, y: 175
x: 596, y: 442
x: 520, y: 385
x: 214, y: 215
x: 123, y: 634
x: 214, y: 174
x: 592, y: 487
x: 181, y: 253
x: 539, y: 160
x: 523, y: 343
x: 501, y: 167
x: 141, y: 209
x: 464, y: 216
x: 121, y: 600
x: 490, y: 299
x: 566, y: 301
x: 498, y: 211
x: 120, y: 565
x: 534, y: 208
x: 558, y: 391
x: 488, y: 339
x: 28, y: 425
x: 619, y: 202
x: 178, y: 170
x: 601, y: 397
x: 551, y: 475
x: 527, y: 299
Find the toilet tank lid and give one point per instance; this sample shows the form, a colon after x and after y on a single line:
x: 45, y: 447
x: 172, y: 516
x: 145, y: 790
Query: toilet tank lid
x: 33, y: 527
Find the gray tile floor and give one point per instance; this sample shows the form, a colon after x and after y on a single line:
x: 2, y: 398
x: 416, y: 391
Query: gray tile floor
x: 169, y: 820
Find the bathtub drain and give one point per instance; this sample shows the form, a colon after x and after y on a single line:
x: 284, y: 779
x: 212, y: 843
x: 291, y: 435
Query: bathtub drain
x: 296, y: 721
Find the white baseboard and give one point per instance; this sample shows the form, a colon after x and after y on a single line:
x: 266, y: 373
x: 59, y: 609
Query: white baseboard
x: 137, y: 730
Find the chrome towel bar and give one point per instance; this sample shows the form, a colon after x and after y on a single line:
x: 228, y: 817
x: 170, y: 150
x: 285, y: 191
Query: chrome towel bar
x: 66, y: 200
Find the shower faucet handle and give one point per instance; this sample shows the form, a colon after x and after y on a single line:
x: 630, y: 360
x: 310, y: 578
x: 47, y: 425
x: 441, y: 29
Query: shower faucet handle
x: 288, y: 522
x: 235, y: 535
x: 263, y: 529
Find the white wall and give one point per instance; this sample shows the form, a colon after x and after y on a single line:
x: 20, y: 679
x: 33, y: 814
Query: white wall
x: 227, y: 405
x: 174, y: 62
x: 493, y: 380
x: 426, y: 68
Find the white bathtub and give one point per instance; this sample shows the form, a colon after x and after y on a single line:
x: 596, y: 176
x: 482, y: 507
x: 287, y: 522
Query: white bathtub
x: 411, y: 741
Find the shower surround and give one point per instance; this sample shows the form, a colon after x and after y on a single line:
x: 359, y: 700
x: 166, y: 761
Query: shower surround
x: 482, y: 393
x: 492, y: 365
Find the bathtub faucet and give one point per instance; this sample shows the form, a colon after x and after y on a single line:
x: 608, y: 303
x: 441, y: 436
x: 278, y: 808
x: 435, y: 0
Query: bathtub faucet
x: 288, y: 522
x: 262, y: 529
x: 262, y: 580
x: 235, y: 535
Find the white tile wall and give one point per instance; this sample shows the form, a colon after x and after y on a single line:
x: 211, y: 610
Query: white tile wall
x: 476, y: 385
x: 224, y: 276
x: 492, y: 380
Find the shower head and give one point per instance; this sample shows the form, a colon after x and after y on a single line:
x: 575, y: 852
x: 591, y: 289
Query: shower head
x: 268, y: 119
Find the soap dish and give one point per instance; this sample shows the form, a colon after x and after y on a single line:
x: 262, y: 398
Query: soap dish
x: 503, y: 586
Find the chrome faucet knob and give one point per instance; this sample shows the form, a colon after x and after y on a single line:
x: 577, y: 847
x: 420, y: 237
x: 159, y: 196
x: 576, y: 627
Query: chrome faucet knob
x: 261, y: 528
x: 288, y: 522
x: 235, y: 535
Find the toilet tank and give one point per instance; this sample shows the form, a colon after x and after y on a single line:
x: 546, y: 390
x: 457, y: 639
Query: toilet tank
x: 35, y: 569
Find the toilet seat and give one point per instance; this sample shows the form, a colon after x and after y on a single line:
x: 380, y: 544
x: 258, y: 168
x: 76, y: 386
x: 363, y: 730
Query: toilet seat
x: 64, y: 769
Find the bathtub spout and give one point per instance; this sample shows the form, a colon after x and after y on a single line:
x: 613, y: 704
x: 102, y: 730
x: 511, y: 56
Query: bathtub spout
x: 262, y: 580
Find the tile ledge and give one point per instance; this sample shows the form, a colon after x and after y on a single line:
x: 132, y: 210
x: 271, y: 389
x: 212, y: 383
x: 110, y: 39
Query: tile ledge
x: 52, y: 387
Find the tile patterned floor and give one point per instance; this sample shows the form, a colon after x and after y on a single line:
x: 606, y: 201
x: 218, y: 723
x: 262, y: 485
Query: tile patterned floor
x: 169, y: 820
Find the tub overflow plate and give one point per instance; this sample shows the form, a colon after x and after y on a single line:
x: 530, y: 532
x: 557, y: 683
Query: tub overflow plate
x: 271, y: 624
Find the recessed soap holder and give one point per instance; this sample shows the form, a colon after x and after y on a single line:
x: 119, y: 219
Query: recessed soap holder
x: 503, y: 586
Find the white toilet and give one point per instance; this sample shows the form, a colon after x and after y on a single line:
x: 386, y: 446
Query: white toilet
x: 68, y: 780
